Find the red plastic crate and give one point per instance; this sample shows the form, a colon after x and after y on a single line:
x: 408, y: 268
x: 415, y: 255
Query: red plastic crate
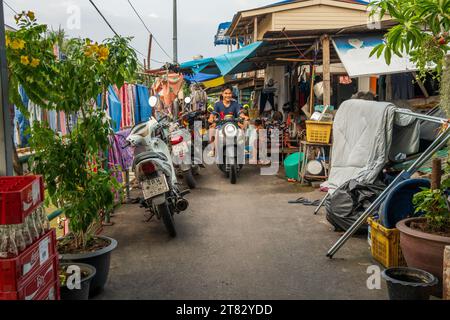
x: 50, y: 293
x: 19, y: 196
x: 14, y: 272
x: 37, y: 284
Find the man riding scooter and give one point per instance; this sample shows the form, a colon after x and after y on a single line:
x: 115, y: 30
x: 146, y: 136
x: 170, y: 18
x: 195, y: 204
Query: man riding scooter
x: 227, y: 127
x: 226, y: 107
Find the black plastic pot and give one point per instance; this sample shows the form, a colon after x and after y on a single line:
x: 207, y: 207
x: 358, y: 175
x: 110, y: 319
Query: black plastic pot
x: 83, y: 292
x: 100, y: 259
x: 409, y: 283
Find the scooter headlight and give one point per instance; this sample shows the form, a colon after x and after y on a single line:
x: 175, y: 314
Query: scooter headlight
x: 230, y: 130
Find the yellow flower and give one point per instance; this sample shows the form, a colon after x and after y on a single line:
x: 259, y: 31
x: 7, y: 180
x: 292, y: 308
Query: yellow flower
x: 7, y: 40
x: 103, y: 53
x: 35, y: 62
x: 24, y: 60
x: 17, y: 44
x: 31, y: 15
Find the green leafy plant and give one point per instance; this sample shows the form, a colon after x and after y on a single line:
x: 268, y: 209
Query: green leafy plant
x: 434, y: 203
x: 73, y: 165
x: 422, y: 31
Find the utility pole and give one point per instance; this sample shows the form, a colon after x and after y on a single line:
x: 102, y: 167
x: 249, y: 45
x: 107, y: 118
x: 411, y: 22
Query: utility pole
x: 6, y: 146
x: 175, y: 33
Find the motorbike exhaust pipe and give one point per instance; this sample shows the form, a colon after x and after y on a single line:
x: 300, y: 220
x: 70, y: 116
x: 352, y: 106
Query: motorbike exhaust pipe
x: 182, y: 204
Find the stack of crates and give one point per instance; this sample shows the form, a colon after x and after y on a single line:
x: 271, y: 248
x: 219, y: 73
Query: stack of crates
x: 33, y: 274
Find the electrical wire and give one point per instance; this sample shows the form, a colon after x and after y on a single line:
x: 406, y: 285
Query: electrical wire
x: 101, y: 14
x: 12, y: 9
x: 154, y: 38
x: 109, y: 25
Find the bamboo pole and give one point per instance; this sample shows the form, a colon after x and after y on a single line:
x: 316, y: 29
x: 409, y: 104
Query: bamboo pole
x: 311, y: 94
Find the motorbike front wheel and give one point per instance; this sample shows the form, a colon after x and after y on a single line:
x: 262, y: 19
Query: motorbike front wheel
x: 167, y: 219
x: 233, y: 174
x: 189, y: 179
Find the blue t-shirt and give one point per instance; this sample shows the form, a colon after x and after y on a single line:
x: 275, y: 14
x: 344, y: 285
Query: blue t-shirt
x: 233, y: 109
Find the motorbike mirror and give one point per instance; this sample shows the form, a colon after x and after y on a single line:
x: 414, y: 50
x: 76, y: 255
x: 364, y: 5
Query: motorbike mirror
x: 153, y: 101
x: 187, y: 100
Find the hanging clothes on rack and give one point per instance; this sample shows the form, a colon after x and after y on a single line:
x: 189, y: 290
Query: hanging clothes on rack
x: 143, y: 110
x: 114, y: 109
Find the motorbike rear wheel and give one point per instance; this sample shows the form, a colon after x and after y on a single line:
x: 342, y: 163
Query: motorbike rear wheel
x: 233, y: 174
x: 167, y: 219
x: 189, y: 179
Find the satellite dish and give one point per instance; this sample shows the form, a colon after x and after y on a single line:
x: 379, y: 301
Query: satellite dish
x: 153, y: 101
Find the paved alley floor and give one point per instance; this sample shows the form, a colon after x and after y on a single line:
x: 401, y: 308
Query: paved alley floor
x: 240, y: 241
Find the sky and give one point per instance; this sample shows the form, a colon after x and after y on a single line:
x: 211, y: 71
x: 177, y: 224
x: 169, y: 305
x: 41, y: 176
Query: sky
x: 197, y: 22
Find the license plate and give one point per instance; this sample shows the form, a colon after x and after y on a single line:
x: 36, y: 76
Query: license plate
x: 181, y: 148
x: 154, y: 187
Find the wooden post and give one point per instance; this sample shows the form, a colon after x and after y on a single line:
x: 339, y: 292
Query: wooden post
x: 436, y: 174
x: 255, y: 29
x: 149, y: 53
x: 326, y: 71
x: 237, y: 43
x: 446, y: 276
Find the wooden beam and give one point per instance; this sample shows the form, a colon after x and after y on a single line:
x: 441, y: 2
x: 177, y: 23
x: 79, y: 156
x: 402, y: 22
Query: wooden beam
x: 294, y: 60
x: 292, y: 38
x: 255, y: 29
x: 326, y: 71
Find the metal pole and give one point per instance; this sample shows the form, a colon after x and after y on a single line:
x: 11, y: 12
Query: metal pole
x: 422, y: 116
x: 439, y: 143
x: 175, y: 33
x: 6, y: 141
x: 321, y: 203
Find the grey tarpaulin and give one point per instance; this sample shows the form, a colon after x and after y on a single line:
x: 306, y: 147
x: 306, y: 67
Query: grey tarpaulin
x: 366, y: 135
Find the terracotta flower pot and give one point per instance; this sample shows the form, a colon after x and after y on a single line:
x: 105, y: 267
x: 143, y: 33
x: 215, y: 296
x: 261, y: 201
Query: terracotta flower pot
x: 423, y: 250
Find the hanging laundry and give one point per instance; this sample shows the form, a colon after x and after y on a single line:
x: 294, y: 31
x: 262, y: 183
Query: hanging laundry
x: 168, y: 87
x: 62, y: 121
x: 115, y: 109
x: 143, y: 110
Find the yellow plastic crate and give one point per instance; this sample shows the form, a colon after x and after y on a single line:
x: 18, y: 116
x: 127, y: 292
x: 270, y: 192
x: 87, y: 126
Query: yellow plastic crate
x: 385, y: 245
x: 318, y: 131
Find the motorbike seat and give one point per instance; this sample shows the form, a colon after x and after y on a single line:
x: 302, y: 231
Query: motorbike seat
x: 148, y: 156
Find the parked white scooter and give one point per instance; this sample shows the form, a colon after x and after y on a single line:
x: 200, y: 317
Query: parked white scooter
x: 155, y: 172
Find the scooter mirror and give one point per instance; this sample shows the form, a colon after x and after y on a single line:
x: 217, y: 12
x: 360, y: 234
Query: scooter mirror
x: 187, y: 100
x: 153, y: 101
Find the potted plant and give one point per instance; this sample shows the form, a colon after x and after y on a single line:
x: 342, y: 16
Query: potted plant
x: 76, y: 288
x: 73, y: 165
x: 423, y: 240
